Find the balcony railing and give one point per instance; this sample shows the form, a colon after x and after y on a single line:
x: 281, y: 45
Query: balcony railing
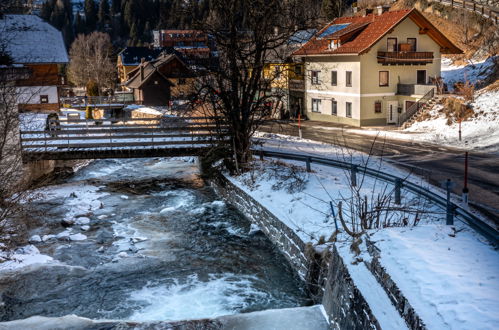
x: 296, y: 84
x: 405, y: 57
x: 414, y: 89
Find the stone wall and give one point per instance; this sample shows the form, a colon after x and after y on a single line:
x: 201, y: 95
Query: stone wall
x: 400, y: 302
x: 323, y: 272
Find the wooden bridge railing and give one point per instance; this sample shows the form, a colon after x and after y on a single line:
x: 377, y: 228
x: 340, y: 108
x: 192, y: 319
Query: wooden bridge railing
x: 484, y: 10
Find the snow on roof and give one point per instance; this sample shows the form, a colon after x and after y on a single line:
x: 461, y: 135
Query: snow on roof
x: 29, y: 39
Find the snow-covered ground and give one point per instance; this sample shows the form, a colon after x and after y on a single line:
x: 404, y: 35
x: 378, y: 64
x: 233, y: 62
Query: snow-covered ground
x: 449, y: 276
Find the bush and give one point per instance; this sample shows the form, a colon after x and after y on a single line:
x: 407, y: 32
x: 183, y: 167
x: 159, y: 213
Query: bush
x: 92, y: 88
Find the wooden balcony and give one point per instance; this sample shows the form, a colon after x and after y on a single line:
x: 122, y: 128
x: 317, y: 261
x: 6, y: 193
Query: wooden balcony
x: 403, y: 58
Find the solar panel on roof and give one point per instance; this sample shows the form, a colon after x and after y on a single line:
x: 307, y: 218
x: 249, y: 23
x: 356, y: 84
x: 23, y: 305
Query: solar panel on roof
x: 332, y: 29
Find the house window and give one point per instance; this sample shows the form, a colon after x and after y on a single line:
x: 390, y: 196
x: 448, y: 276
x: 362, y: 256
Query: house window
x: 298, y: 70
x: 181, y: 81
x: 316, y: 105
x: 348, y: 109
x: 334, y: 78
x: 384, y: 78
x: 314, y: 77
x: 377, y: 107
x: 413, y: 43
x: 334, y: 107
x: 44, y: 99
x: 348, y: 79
x: 391, y: 45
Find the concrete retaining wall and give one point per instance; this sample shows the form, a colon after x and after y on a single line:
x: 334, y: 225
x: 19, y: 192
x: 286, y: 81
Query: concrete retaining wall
x: 324, y: 273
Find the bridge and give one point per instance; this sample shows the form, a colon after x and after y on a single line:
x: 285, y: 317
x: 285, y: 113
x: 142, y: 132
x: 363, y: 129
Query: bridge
x: 117, y: 138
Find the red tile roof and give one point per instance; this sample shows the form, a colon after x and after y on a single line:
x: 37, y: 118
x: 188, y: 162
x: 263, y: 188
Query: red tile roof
x: 372, y: 28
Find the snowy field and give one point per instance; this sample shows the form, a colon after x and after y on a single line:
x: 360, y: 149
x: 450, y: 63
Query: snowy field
x: 448, y: 274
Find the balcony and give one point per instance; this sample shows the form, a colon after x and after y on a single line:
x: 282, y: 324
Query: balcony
x: 297, y: 85
x: 414, y: 89
x: 402, y: 57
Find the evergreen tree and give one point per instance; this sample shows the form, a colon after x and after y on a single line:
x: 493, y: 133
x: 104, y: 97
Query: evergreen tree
x: 115, y: 7
x: 103, y: 14
x: 79, y: 25
x: 134, y: 34
x: 47, y: 8
x: 90, y: 15
x: 147, y: 34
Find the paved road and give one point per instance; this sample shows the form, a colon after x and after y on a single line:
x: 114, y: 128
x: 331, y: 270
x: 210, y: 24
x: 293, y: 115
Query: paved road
x: 434, y: 162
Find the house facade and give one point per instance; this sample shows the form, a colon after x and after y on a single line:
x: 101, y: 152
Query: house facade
x: 368, y: 70
x: 38, y: 47
x: 160, y: 81
x: 286, y: 75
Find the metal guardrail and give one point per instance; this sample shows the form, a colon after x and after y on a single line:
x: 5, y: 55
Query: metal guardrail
x: 471, y: 219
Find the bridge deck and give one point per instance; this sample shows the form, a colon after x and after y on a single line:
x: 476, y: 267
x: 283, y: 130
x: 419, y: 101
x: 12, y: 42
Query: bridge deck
x: 136, y: 138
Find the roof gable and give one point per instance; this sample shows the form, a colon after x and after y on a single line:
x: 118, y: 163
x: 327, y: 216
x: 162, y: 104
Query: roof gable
x: 131, y: 56
x: 362, y: 32
x: 30, y: 40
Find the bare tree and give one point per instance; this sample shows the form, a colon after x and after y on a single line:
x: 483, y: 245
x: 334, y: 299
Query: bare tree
x: 91, y: 61
x: 246, y: 33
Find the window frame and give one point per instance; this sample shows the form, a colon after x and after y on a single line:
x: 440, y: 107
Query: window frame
x: 318, y: 102
x: 334, y: 107
x: 334, y: 82
x: 396, y: 44
x: 376, y: 108
x: 387, y: 78
x: 312, y: 73
x: 415, y: 44
x: 42, y: 97
x: 348, y: 106
x: 348, y: 82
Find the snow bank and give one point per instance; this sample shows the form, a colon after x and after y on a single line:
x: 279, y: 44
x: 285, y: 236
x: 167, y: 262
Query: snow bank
x: 451, y: 282
x: 22, y: 257
x: 473, y: 72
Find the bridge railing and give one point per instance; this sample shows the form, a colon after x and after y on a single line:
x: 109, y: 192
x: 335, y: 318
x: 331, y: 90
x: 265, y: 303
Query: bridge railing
x: 115, y: 133
x: 473, y: 220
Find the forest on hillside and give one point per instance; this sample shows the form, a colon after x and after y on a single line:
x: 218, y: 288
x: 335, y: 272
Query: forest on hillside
x: 130, y: 22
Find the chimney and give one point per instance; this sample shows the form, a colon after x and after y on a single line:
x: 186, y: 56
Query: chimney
x: 379, y: 10
x: 368, y: 11
x: 385, y: 8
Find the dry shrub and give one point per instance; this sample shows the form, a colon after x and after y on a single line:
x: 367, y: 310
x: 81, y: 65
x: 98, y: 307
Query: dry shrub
x: 466, y: 90
x: 456, y: 110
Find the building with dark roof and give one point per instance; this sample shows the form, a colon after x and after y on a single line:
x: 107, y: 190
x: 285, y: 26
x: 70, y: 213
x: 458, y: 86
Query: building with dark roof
x: 130, y: 58
x: 157, y: 82
x: 38, y: 47
x: 371, y: 69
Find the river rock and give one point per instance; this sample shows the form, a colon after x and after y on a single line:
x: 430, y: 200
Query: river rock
x: 35, y: 239
x: 85, y: 228
x: 78, y: 237
x: 67, y: 222
x: 82, y: 221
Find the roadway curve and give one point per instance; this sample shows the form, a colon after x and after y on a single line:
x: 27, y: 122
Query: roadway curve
x: 435, y: 162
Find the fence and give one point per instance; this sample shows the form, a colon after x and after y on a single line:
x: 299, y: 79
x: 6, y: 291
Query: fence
x: 477, y: 7
x: 471, y: 219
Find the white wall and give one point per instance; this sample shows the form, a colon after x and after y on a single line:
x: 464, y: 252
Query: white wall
x: 31, y: 95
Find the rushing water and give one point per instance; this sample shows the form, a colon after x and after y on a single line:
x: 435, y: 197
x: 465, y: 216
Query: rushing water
x: 160, y: 246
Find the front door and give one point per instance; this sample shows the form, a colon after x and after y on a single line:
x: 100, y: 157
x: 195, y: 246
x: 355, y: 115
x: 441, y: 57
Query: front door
x: 392, y: 112
x: 421, y: 78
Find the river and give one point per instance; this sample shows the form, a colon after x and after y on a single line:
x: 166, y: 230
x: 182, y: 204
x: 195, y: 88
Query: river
x: 144, y: 240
